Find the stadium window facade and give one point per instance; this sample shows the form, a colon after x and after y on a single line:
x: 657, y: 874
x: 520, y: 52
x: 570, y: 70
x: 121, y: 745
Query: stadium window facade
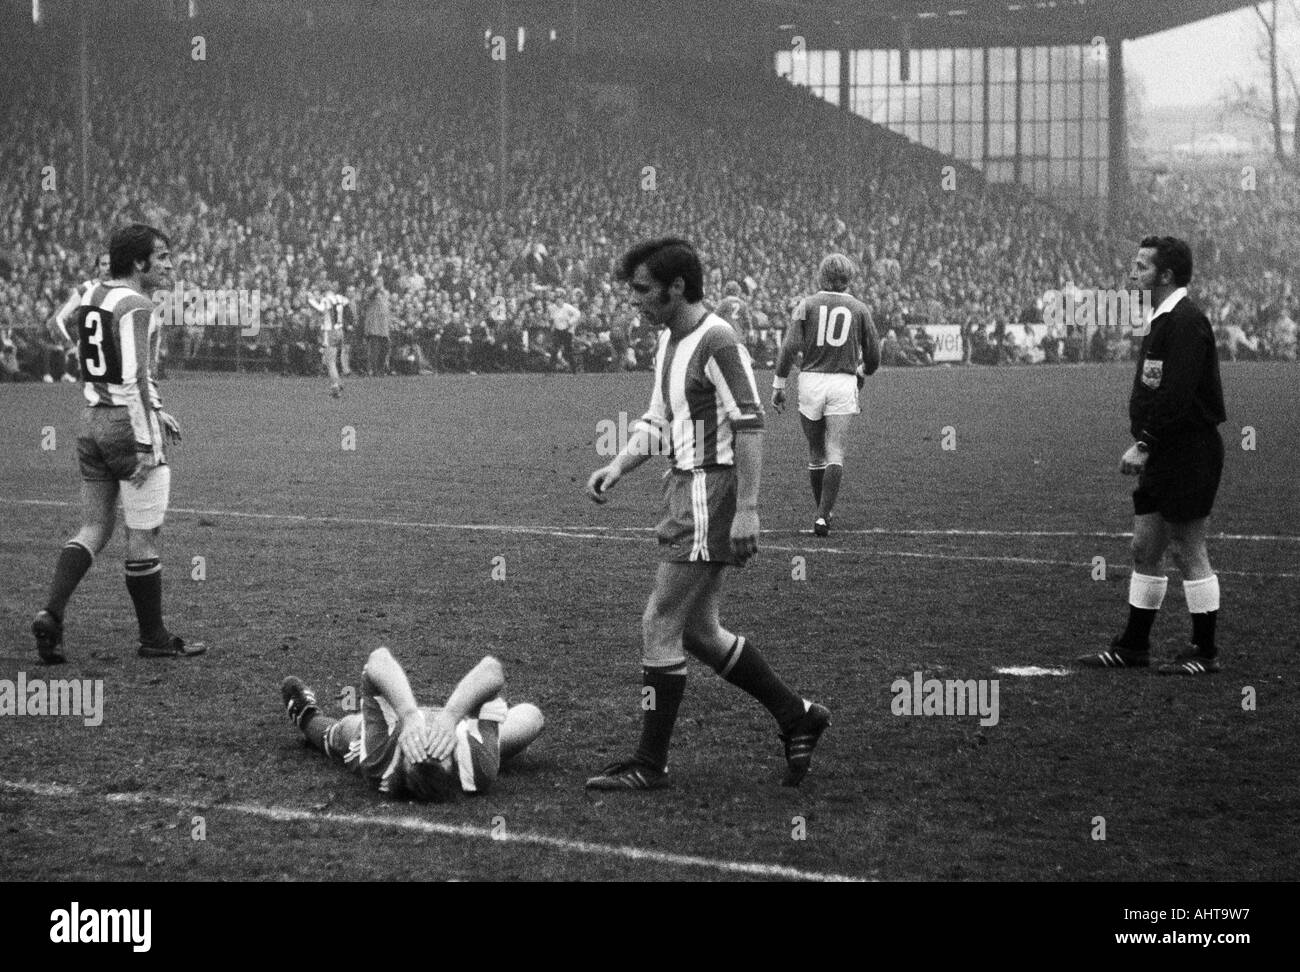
x: 1036, y: 115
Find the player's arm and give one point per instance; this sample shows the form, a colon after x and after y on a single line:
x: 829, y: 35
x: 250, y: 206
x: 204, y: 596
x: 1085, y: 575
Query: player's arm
x: 790, y: 348
x: 734, y: 382
x: 869, y: 341
x: 640, y: 444
x: 59, y: 322
x: 383, y: 676
x: 135, y: 374
x: 647, y: 438
x: 481, y: 684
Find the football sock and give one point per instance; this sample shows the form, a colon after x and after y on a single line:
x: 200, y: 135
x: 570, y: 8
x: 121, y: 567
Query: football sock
x: 314, y: 726
x: 74, y: 561
x: 144, y: 582
x: 745, y: 667
x: 815, y: 475
x: 660, y: 705
x: 830, y: 488
x: 1145, y: 595
x: 1203, y: 604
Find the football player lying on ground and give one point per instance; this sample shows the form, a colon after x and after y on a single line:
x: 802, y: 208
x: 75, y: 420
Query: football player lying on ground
x: 420, y: 752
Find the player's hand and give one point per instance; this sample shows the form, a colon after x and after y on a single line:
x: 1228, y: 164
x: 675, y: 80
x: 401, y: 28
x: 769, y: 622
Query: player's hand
x: 861, y: 375
x: 413, y: 740
x: 440, y: 736
x: 744, y: 534
x: 145, y: 462
x: 1131, y: 463
x: 601, y: 482
x: 778, y: 399
x: 171, y: 428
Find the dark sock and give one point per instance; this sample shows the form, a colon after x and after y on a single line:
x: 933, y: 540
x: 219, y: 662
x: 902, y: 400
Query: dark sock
x: 1137, y: 634
x: 750, y: 672
x: 815, y: 477
x: 830, y: 489
x: 144, y: 582
x: 660, y: 712
x: 1203, y: 633
x: 314, y: 726
x: 74, y: 561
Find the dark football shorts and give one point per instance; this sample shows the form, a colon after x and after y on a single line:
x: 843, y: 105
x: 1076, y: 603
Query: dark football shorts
x: 699, y: 506
x: 1180, y: 479
x: 106, y: 444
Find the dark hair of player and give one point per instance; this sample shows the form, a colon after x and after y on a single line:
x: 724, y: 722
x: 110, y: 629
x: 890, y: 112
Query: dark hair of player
x: 429, y: 782
x: 665, y: 260
x: 131, y: 243
x: 1171, y: 254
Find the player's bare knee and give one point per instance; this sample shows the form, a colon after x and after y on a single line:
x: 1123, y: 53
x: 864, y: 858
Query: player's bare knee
x: 1145, y: 553
x: 94, y: 538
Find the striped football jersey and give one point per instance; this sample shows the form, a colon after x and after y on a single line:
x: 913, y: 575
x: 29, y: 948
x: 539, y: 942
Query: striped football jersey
x: 106, y: 325
x: 704, y: 393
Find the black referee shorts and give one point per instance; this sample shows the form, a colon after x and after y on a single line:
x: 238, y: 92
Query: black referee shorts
x: 1181, y: 477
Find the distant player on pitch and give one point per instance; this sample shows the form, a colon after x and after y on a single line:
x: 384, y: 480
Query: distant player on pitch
x: 704, y: 411
x: 1175, y: 409
x: 330, y: 304
x: 429, y: 753
x: 832, y: 329
x: 120, y: 444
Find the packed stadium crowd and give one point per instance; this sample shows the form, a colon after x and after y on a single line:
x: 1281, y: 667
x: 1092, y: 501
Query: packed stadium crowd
x: 357, y: 193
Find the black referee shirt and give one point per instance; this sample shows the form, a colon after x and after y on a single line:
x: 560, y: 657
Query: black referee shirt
x: 1176, y: 391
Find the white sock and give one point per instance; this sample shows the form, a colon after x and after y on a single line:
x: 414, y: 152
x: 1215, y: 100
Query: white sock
x: 1202, y: 595
x: 1147, y: 592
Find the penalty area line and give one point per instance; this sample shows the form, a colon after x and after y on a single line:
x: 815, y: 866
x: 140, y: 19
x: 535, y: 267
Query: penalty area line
x: 418, y: 825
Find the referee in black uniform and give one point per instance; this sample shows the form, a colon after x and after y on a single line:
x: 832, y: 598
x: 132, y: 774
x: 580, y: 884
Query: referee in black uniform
x: 1174, y: 411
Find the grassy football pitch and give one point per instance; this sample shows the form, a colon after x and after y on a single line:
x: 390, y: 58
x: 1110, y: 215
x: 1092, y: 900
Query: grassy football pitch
x: 951, y: 562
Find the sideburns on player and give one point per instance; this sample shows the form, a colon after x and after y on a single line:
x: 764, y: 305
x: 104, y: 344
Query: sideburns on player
x: 120, y: 442
x: 710, y: 518
x: 832, y: 330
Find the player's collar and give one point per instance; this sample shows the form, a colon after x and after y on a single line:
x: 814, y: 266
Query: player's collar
x: 1170, y: 302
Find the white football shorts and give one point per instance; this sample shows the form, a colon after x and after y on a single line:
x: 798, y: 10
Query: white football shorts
x: 145, y: 506
x: 823, y: 394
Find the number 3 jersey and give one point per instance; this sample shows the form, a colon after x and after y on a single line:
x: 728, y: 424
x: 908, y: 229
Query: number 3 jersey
x: 105, y: 328
x: 837, y: 333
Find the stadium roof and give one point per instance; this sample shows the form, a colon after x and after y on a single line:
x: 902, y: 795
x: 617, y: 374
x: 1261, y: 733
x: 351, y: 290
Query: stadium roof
x: 747, y: 24
x: 981, y: 23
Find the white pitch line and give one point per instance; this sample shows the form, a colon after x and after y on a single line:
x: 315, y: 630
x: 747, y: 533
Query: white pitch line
x: 567, y: 529
x: 421, y: 826
x: 1083, y: 534
x: 572, y: 533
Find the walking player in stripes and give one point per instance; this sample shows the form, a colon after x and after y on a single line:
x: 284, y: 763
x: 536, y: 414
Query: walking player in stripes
x: 705, y: 414
x: 120, y: 444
